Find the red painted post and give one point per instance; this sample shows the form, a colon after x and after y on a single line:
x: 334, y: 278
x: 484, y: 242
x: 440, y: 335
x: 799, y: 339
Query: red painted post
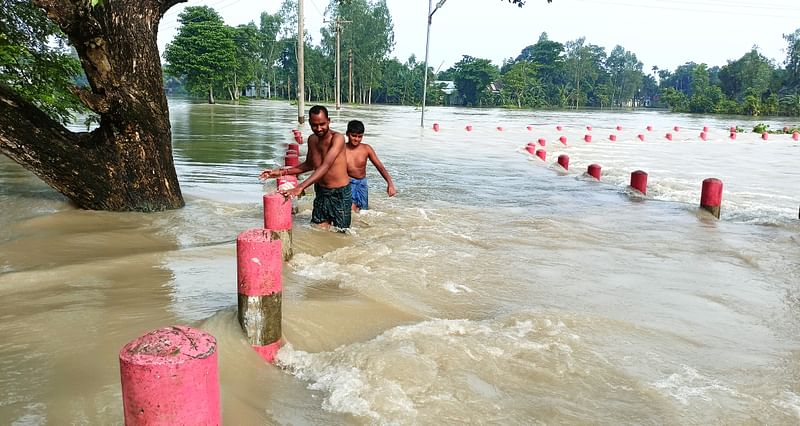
x: 531, y: 148
x: 469, y: 127
x: 563, y: 140
x: 278, y: 219
x: 587, y: 138
x: 293, y: 147
x: 649, y: 128
x: 711, y: 196
x: 291, y: 160
x: 530, y: 128
x: 542, y: 142
x: 641, y: 137
x: 765, y: 136
x: 795, y: 135
x: 668, y: 136
x: 558, y: 128
x: 259, y: 264
x: 619, y: 128
x: 563, y: 161
x: 589, y: 128
x: 703, y: 136
x: 594, y: 171
x: 499, y: 128
x: 541, y: 154
x: 677, y: 128
x: 733, y: 136
x: 639, y: 181
x: 705, y: 129
x: 170, y: 376
x: 435, y: 127
x: 612, y: 138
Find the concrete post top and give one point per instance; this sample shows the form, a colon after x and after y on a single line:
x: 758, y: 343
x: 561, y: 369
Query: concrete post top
x: 169, y: 345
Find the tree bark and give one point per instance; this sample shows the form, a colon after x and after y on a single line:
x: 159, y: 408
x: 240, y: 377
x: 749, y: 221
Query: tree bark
x: 126, y: 163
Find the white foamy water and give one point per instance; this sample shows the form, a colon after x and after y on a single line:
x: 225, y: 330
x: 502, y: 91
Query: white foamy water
x: 495, y: 288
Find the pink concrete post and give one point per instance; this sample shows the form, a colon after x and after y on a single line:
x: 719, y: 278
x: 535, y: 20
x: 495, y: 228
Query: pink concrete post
x: 278, y: 219
x: 563, y: 161
x: 594, y: 171
x: 170, y: 376
x: 639, y: 181
x: 711, y: 196
x: 291, y: 160
x: 259, y: 265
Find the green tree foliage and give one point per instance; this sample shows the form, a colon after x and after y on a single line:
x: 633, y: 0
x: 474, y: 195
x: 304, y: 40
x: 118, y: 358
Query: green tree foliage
x: 269, y: 49
x: 369, y: 35
x: 584, y: 66
x: 35, y: 61
x: 246, y: 39
x: 472, y: 77
x: 203, y: 53
x: 792, y: 62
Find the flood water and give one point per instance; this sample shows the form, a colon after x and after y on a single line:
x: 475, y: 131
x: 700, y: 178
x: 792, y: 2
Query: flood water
x: 495, y: 288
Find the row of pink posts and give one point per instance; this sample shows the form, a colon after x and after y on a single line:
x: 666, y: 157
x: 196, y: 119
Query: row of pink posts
x: 170, y: 376
x: 710, y: 195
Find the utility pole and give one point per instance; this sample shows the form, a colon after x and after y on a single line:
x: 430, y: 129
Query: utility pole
x: 431, y: 11
x: 350, y: 55
x: 301, y: 115
x: 338, y: 23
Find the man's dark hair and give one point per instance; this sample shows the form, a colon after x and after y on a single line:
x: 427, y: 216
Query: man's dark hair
x: 355, y: 127
x: 316, y: 109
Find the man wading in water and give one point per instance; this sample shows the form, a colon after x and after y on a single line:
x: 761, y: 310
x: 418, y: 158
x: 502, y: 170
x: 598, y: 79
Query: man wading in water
x: 326, y: 157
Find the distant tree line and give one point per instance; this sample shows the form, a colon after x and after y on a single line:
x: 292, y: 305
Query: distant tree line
x: 209, y: 57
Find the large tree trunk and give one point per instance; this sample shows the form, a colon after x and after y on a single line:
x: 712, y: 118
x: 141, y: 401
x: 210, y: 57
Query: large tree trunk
x: 126, y: 163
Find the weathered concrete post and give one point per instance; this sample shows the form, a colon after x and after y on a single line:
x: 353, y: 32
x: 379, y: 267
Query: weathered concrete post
x: 259, y: 266
x: 170, y: 376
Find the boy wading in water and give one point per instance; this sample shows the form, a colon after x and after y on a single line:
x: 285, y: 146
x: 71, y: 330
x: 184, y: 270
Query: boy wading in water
x: 326, y: 157
x: 357, y: 155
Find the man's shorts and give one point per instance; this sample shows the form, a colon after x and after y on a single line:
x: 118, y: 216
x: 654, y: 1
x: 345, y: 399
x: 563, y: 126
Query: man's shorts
x: 360, y: 193
x: 332, y: 205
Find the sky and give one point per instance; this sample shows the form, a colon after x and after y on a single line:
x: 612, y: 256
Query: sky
x: 662, y: 33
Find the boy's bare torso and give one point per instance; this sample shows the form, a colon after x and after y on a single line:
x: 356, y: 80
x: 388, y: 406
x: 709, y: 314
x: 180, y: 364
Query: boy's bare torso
x: 357, y: 160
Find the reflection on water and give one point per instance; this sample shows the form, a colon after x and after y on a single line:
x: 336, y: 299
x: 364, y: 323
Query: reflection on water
x: 494, y: 288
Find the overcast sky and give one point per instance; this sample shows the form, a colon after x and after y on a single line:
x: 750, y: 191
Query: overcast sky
x: 664, y: 33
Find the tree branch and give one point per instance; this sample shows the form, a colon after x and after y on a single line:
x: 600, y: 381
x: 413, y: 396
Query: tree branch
x: 167, y: 4
x: 93, y: 101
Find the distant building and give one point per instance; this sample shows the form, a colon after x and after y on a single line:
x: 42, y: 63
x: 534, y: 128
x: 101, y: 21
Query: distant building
x: 451, y: 97
x: 251, y: 91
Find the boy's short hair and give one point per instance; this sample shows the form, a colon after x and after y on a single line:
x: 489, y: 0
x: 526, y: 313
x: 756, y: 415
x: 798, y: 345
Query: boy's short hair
x: 355, y: 127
